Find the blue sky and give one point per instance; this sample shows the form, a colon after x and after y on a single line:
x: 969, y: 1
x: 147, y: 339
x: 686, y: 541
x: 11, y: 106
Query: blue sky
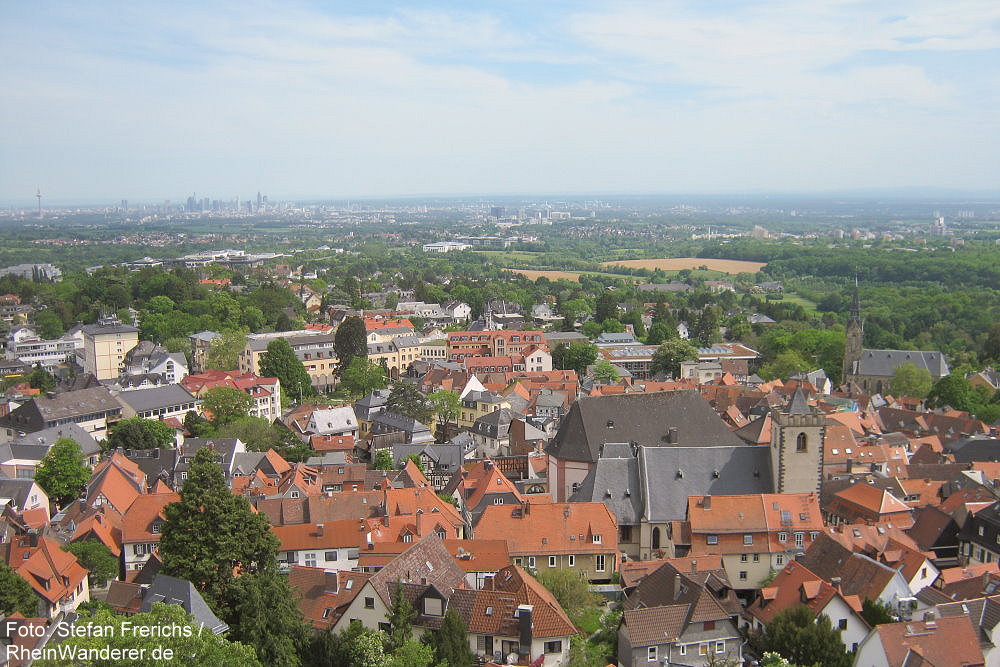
x: 156, y: 100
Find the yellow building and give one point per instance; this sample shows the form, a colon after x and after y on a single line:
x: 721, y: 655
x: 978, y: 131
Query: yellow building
x: 105, y: 345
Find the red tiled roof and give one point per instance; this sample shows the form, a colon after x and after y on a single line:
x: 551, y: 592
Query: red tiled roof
x: 569, y: 528
x: 944, y: 641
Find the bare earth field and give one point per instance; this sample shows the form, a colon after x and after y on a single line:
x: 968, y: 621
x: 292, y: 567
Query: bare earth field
x: 532, y: 274
x: 680, y: 263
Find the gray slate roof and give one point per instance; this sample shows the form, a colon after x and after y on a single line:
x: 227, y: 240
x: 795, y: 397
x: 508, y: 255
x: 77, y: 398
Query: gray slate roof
x: 884, y: 362
x: 614, y: 481
x: 167, y: 396
x: 671, y: 474
x: 644, y: 419
x: 48, y: 436
x: 171, y: 590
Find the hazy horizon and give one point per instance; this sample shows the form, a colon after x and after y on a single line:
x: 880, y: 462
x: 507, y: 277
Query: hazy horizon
x: 320, y: 101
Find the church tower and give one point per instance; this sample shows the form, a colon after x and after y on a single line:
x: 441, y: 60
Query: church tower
x: 798, y: 432
x: 854, y: 339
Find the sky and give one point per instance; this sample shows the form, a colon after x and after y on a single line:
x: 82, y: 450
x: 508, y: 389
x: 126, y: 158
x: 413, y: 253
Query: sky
x: 149, y: 101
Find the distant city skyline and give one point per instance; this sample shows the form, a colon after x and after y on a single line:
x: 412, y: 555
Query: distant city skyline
x: 314, y: 100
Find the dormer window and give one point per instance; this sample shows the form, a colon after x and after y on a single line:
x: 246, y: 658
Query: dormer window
x: 597, y: 539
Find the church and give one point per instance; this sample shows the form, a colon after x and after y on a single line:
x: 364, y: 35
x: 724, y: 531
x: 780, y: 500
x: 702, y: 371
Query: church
x: 643, y: 455
x: 871, y: 371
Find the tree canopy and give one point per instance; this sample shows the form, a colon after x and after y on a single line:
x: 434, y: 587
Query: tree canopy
x: 668, y: 356
x: 226, y: 404
x: 362, y: 376
x: 140, y: 433
x: 279, y: 361
x: 225, y: 350
x: 94, y: 556
x: 350, y: 341
x: 16, y: 594
x: 405, y: 399
x: 908, y: 380
x: 796, y: 634
x: 62, y: 472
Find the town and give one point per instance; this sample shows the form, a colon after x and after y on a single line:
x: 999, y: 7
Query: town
x: 314, y: 458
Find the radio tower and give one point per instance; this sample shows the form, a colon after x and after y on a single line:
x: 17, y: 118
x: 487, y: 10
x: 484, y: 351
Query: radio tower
x: 39, y: 195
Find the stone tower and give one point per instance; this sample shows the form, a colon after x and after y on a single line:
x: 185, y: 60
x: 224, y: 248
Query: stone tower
x: 797, y: 434
x: 853, y: 339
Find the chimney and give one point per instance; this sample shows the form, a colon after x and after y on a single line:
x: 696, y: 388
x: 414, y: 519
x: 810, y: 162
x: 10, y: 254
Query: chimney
x: 672, y: 437
x: 706, y: 502
x: 524, y: 612
x: 319, y: 529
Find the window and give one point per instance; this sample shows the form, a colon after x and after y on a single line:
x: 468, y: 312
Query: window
x: 310, y: 560
x: 156, y: 528
x: 498, y: 501
x: 597, y: 539
x: 702, y: 649
x: 801, y: 442
x: 720, y: 647
x: 756, y: 558
x: 552, y: 561
x: 531, y: 562
x: 369, y: 603
x: 326, y: 612
x: 842, y: 624
x: 747, y: 540
x: 743, y: 558
x: 599, y: 559
x: 330, y: 555
x: 517, y: 561
x: 813, y: 534
x: 711, y: 539
x: 980, y: 531
x: 651, y: 654
x: 782, y: 537
x: 799, y: 539
x: 571, y: 560
x: 682, y: 649
x: 743, y: 575
x: 553, y: 647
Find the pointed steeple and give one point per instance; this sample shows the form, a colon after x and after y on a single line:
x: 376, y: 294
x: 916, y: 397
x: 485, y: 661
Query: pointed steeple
x: 799, y: 405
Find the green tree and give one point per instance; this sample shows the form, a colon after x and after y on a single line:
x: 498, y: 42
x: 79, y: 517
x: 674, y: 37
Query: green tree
x: 193, y: 646
x: 225, y: 350
x: 799, y: 636
x: 226, y: 404
x: 991, y: 347
x: 785, y: 365
x: 94, y: 556
x: 197, y: 426
x: 875, y: 612
x: 362, y: 376
x: 660, y: 332
x: 951, y: 390
x: 139, y: 433
x: 211, y: 533
x: 279, y: 361
x: 416, y: 461
x: 446, y: 404
x: 605, y: 371
x: 405, y: 399
x: 267, y: 616
x: 412, y: 654
x: 16, y: 594
x: 669, y: 355
x: 570, y: 591
x: 350, y: 341
x: 41, y: 379
x: 575, y: 356
x: 62, y: 472
x: 908, y: 380
x: 48, y: 325
x: 383, y: 460
x: 606, y: 307
x: 401, y: 615
x: 451, y: 642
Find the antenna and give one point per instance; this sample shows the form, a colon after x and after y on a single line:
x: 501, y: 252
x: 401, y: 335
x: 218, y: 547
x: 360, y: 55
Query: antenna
x: 39, y: 195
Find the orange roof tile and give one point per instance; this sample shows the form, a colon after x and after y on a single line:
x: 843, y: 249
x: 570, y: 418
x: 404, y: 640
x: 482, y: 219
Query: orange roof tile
x: 570, y: 528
